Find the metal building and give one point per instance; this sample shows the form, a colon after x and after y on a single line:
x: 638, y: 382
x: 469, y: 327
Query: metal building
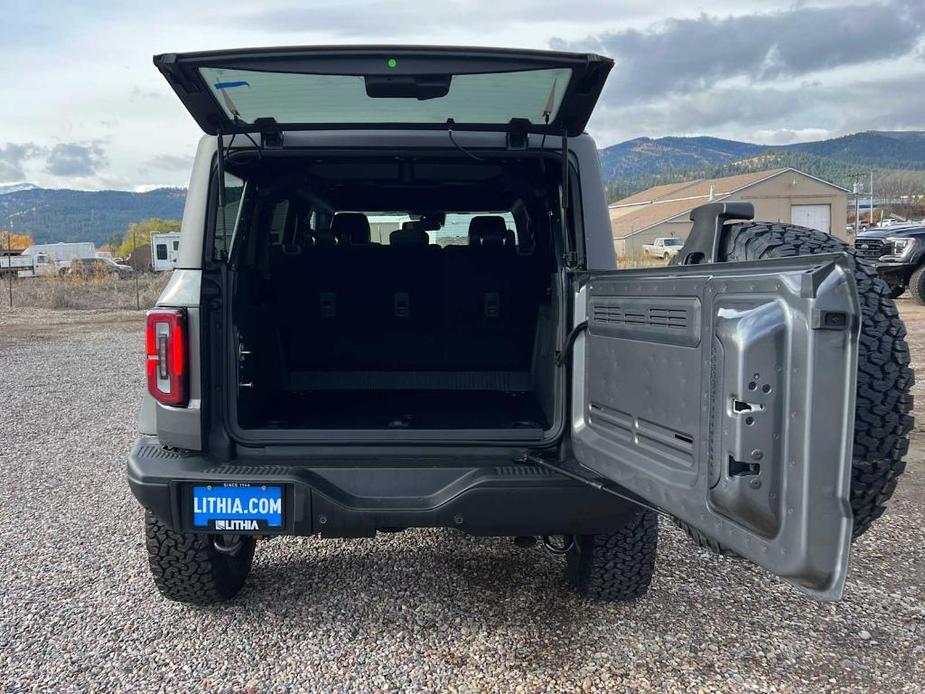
x: 779, y: 195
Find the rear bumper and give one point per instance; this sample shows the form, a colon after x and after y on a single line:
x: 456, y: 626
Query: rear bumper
x: 357, y: 498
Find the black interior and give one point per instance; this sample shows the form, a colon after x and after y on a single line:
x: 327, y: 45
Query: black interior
x: 404, y: 409
x: 349, y: 334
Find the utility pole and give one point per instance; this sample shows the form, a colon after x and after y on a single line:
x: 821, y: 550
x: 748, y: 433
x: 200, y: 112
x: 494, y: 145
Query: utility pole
x: 135, y: 268
x: 856, y: 189
x: 857, y: 207
x: 871, y: 198
x: 9, y: 260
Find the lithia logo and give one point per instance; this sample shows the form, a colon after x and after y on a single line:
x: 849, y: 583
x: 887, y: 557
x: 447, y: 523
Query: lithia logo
x: 236, y: 525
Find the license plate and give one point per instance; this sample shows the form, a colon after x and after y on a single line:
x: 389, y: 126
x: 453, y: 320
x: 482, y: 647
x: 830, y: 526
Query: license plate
x: 238, y: 508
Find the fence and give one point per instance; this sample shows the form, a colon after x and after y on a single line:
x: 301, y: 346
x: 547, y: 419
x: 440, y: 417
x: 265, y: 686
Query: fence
x: 95, y: 292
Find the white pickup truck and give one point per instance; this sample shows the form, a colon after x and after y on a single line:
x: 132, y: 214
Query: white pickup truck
x: 664, y: 247
x: 27, y: 265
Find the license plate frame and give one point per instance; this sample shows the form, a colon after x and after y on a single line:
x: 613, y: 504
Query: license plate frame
x: 231, y: 509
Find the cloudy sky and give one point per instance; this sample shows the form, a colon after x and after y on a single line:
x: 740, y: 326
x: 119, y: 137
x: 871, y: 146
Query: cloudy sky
x: 83, y: 107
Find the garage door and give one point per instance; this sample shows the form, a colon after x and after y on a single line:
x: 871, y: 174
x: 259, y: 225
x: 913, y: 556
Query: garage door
x: 812, y: 216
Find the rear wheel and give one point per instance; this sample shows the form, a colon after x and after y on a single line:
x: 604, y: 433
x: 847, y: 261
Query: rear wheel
x: 615, y: 566
x: 896, y: 291
x: 882, y: 420
x: 188, y: 568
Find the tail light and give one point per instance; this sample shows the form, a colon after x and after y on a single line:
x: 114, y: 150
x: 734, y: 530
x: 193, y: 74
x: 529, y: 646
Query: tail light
x: 167, y: 356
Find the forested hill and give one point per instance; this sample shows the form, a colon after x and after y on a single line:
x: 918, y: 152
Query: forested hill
x: 642, y: 163
x: 52, y: 215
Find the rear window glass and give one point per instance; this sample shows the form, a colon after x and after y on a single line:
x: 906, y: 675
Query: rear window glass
x: 486, y: 98
x: 454, y: 232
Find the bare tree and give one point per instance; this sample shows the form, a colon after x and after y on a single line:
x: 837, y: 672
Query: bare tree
x: 902, y: 193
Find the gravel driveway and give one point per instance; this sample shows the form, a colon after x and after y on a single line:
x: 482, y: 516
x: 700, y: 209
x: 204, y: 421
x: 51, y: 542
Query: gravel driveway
x: 420, y: 610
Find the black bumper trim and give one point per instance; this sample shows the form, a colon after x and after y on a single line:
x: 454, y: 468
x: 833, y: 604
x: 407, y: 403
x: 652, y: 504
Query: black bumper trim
x: 894, y: 269
x: 357, y: 498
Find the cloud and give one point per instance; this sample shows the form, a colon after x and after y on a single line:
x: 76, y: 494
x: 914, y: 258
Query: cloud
x: 171, y: 162
x: 772, y: 115
x: 377, y: 19
x: 76, y: 159
x: 684, y: 56
x: 13, y: 158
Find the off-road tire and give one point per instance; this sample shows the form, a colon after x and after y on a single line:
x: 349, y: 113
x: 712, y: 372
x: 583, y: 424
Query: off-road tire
x: 917, y: 285
x: 616, y: 566
x: 882, y: 411
x: 187, y: 568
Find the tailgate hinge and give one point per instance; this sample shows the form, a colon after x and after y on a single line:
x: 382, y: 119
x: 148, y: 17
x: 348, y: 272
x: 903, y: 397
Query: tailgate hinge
x: 518, y: 133
x: 271, y: 136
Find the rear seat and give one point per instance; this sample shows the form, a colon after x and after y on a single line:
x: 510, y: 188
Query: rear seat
x: 412, y: 270
x: 485, y: 307
x: 410, y: 305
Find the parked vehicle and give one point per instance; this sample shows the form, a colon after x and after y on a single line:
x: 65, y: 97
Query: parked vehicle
x: 898, y: 252
x: 164, y: 251
x: 84, y: 267
x: 303, y: 380
x: 27, y: 265
x: 63, y: 253
x: 665, y: 247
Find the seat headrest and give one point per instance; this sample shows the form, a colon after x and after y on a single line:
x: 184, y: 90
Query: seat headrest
x: 487, y: 230
x: 409, y: 236
x: 351, y: 228
x: 324, y: 237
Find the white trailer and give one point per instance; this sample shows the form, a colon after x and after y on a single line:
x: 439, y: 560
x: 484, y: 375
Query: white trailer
x: 63, y: 253
x: 165, y: 251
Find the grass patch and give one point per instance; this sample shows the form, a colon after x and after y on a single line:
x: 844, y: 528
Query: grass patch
x: 77, y: 293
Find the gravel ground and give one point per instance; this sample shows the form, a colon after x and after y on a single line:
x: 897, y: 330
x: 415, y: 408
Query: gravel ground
x: 421, y: 610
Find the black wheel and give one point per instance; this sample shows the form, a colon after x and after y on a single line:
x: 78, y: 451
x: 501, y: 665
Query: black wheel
x: 882, y: 421
x: 615, y: 566
x: 896, y: 290
x: 917, y: 285
x: 187, y: 568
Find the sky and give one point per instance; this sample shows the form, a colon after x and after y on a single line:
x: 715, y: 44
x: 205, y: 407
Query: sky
x: 82, y: 105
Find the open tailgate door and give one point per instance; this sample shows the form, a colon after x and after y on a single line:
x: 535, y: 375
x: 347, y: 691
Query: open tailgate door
x: 724, y: 394
x: 324, y: 87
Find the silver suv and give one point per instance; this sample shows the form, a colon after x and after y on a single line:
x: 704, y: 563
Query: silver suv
x: 397, y: 306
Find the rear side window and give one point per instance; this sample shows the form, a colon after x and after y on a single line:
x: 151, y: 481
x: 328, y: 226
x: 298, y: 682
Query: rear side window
x: 455, y: 231
x: 278, y: 223
x: 226, y: 221
x: 161, y: 251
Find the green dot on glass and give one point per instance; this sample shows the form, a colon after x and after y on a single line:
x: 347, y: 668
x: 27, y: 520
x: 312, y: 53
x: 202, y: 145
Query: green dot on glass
x: 392, y: 62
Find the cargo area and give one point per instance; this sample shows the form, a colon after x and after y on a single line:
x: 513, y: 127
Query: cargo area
x: 438, y: 312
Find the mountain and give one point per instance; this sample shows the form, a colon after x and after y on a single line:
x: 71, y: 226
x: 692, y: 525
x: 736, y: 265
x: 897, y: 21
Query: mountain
x: 872, y: 149
x: 644, y: 156
x: 15, y: 187
x: 902, y: 149
x: 52, y: 215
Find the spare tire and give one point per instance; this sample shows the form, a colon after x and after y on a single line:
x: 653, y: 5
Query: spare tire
x: 882, y: 419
